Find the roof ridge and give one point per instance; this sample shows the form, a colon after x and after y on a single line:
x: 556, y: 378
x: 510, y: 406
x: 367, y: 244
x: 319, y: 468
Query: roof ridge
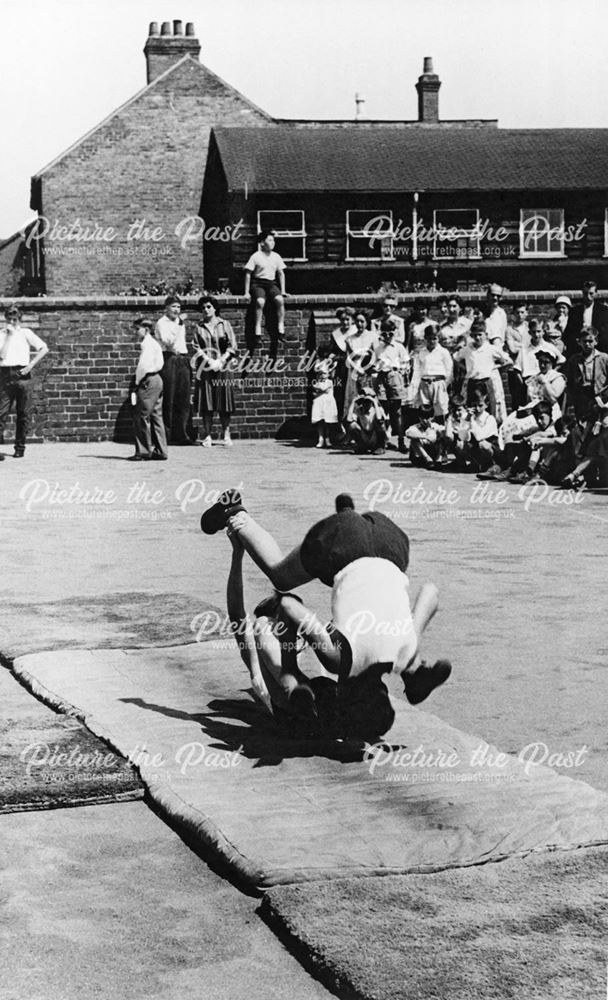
x: 135, y: 97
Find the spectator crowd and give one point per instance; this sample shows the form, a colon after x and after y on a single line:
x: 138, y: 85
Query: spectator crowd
x: 507, y: 397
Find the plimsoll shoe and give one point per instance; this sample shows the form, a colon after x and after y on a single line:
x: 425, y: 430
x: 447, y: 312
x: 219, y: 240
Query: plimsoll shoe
x: 269, y: 606
x: 419, y: 685
x: 216, y: 517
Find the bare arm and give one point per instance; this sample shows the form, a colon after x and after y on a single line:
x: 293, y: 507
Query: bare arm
x: 38, y: 356
x: 242, y: 624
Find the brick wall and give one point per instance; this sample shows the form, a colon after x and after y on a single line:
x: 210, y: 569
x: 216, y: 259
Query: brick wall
x: 82, y: 386
x: 146, y: 162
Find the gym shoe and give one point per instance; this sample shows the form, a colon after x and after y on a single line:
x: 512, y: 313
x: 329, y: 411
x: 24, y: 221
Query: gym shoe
x: 490, y: 473
x: 419, y: 685
x: 216, y: 517
x: 520, y: 478
x: 227, y: 438
x: 269, y: 606
x: 207, y: 442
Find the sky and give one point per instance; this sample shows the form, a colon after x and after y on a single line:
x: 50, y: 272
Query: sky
x: 67, y: 64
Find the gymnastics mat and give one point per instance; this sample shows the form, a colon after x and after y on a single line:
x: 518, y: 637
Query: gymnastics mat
x: 281, y: 810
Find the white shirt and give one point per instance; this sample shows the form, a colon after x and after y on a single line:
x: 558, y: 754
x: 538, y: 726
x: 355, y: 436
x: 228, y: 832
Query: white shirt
x: 150, y: 358
x: 265, y: 265
x: 496, y: 325
x: 15, y: 344
x: 390, y: 356
x: 371, y: 607
x: 481, y: 361
x: 399, y: 335
x: 171, y: 335
x: 517, y: 337
x: 483, y: 426
x: 588, y: 316
x: 435, y: 362
x: 526, y: 360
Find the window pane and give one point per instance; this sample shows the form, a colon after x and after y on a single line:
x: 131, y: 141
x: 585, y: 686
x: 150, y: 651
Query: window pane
x: 292, y: 222
x: 454, y: 230
x: 359, y: 246
x: 290, y: 247
x: 542, y: 231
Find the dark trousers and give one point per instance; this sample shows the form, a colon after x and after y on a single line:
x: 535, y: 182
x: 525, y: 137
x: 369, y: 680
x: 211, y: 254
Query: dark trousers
x: 517, y: 388
x: 18, y: 390
x: 176, y: 376
x: 148, y: 425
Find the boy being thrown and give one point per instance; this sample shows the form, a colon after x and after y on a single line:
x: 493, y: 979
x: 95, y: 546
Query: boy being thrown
x: 363, y: 558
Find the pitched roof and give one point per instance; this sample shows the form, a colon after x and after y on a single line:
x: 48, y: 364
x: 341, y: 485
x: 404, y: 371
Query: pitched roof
x: 185, y: 60
x: 416, y: 158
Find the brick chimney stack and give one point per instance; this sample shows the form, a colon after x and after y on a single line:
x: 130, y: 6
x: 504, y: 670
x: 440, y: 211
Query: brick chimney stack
x: 428, y: 94
x: 164, y: 48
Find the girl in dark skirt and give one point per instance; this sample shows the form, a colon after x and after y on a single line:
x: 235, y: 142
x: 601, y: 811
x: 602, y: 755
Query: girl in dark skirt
x: 215, y: 345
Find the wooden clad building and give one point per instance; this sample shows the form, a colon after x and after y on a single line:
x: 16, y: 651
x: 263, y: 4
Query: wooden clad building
x: 451, y: 207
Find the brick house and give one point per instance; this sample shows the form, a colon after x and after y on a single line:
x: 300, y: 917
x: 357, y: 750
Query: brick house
x: 114, y: 208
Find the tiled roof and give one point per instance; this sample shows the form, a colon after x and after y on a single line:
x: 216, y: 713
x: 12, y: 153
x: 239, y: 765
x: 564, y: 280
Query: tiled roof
x: 416, y: 158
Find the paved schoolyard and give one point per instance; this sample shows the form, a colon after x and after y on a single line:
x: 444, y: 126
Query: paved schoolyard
x: 520, y: 572
x: 98, y: 551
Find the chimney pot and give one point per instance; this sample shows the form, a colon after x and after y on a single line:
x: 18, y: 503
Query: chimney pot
x: 428, y: 94
x: 169, y: 47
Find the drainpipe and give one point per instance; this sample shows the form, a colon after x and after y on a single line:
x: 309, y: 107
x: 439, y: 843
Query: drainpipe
x: 415, y: 227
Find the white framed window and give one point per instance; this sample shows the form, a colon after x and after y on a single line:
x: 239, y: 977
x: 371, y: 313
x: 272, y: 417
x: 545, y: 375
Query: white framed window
x: 541, y: 232
x: 369, y: 235
x: 456, y: 234
x: 290, y: 231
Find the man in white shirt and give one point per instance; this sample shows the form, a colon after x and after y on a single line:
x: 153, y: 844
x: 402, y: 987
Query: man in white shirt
x: 16, y: 364
x: 148, y: 425
x: 170, y: 332
x: 265, y: 278
x: 496, y: 317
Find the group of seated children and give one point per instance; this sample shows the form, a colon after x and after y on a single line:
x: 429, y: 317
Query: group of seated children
x: 444, y: 399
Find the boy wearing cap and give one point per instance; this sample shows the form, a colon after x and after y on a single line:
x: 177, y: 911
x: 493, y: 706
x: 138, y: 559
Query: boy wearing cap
x: 563, y: 305
x: 16, y: 367
x: 148, y: 424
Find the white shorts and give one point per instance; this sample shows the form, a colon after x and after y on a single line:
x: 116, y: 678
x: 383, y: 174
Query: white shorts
x: 371, y: 608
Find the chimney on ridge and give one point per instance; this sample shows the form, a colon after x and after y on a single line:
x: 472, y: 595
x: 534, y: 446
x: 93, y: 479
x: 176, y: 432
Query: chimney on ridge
x: 163, y: 49
x: 428, y: 94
